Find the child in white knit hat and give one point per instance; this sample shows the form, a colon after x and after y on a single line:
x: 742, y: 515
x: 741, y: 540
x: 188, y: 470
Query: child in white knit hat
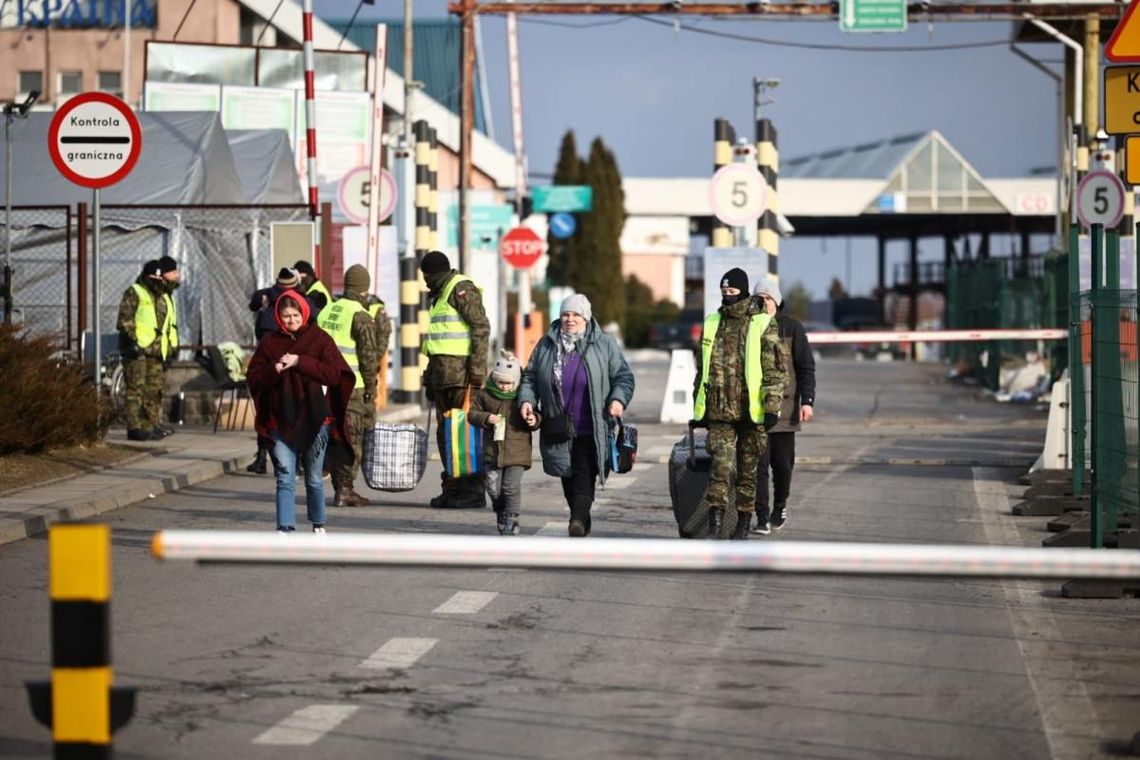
x: 506, y: 439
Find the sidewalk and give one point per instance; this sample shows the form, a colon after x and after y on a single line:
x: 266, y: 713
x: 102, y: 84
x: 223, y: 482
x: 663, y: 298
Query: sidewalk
x: 184, y: 459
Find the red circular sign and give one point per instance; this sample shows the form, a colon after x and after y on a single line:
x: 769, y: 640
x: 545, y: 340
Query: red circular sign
x: 94, y: 139
x: 521, y: 247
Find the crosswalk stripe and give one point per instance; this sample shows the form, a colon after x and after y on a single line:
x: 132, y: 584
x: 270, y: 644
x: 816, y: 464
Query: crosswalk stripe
x: 465, y: 602
x: 617, y: 482
x: 306, y: 725
x: 399, y: 653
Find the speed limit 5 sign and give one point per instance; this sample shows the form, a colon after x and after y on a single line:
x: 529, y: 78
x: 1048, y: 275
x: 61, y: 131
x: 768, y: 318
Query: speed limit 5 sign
x: 1100, y: 199
x: 738, y: 194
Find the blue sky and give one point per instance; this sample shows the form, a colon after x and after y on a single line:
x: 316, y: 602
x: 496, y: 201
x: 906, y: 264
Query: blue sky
x: 652, y: 93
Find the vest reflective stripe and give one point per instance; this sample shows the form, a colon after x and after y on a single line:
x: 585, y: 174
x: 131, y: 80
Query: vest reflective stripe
x: 146, y: 321
x: 447, y: 333
x: 753, y: 370
x: 336, y: 320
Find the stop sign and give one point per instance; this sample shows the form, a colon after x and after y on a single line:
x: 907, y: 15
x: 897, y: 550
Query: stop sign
x: 521, y: 247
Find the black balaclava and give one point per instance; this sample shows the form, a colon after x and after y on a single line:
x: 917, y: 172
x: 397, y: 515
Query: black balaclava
x: 734, y: 278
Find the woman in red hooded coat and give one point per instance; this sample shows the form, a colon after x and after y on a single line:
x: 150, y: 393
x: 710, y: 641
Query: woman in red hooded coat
x: 288, y: 377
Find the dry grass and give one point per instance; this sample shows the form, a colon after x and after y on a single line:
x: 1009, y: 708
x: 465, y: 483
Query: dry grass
x: 19, y: 471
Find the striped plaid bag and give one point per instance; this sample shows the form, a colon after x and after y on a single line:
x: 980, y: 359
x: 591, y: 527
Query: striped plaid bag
x: 395, y: 456
x: 462, y: 443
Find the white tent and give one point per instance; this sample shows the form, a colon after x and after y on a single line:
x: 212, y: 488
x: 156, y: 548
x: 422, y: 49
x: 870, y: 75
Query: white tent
x: 184, y: 198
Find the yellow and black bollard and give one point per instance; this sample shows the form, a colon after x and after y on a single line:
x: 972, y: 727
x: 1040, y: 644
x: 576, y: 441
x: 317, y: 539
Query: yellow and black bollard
x: 79, y: 704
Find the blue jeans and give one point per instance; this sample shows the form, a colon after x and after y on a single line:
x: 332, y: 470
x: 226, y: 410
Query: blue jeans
x: 285, y: 469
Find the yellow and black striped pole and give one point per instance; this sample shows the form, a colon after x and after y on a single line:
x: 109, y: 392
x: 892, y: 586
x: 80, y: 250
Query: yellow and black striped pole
x: 723, y: 138
x: 411, y: 282
x: 768, y: 162
x: 80, y: 705
x: 431, y: 240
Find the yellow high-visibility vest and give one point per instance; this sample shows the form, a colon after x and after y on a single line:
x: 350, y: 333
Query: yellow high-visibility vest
x: 319, y: 287
x: 753, y: 371
x: 336, y: 320
x: 146, y: 322
x: 447, y: 333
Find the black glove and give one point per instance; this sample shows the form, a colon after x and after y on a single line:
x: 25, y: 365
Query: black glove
x: 770, y: 420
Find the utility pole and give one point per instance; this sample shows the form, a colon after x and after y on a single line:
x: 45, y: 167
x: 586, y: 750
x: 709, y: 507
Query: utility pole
x: 12, y: 111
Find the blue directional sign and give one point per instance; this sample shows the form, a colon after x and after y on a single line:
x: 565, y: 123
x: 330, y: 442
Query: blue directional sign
x: 562, y: 225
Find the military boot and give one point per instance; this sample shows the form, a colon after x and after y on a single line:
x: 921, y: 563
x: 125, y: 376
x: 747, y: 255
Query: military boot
x: 347, y: 497
x: 257, y: 466
x: 716, y: 520
x: 743, y: 520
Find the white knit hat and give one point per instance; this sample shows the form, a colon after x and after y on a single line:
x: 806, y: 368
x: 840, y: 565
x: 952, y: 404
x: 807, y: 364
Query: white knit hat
x: 507, y: 369
x: 768, y: 287
x: 578, y: 304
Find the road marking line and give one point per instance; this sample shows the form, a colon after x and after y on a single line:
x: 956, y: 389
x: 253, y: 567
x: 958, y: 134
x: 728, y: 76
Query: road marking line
x: 617, y: 482
x: 306, y: 725
x: 552, y: 529
x: 642, y: 466
x: 1063, y: 702
x: 465, y: 602
x: 399, y: 653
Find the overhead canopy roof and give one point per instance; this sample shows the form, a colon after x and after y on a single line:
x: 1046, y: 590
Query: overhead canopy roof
x: 915, y: 184
x: 185, y: 160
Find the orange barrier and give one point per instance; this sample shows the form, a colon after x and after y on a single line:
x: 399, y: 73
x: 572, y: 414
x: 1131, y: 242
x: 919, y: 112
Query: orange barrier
x: 528, y: 336
x: 381, y: 400
x: 1128, y: 351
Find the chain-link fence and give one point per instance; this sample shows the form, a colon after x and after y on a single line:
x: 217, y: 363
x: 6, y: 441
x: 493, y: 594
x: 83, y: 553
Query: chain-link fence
x: 993, y: 293
x: 223, y: 253
x: 1106, y: 438
x: 44, y: 272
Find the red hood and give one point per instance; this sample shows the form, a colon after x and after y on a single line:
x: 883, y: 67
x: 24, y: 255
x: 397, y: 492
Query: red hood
x: 300, y: 299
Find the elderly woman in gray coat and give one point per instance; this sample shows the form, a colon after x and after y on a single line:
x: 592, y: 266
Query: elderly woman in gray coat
x: 579, y: 379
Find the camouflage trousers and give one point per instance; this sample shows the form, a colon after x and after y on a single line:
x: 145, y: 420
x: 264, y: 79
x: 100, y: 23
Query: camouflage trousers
x: 735, y: 449
x: 145, y: 382
x: 344, y: 457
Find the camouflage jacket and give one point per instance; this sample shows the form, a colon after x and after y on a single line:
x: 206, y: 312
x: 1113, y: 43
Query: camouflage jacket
x: 444, y: 371
x: 367, y: 338
x: 726, y: 396
x: 128, y: 307
x: 383, y: 322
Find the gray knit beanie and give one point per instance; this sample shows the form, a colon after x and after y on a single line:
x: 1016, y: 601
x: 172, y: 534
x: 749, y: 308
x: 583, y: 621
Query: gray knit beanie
x: 578, y: 304
x: 768, y: 287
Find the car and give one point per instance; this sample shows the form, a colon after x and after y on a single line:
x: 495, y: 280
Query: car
x: 685, y: 332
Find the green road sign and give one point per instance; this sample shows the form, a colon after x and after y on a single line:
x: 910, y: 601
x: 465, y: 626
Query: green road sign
x: 488, y: 223
x: 563, y: 198
x: 872, y: 15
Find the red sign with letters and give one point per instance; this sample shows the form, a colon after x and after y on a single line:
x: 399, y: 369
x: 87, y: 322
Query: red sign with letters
x: 521, y: 247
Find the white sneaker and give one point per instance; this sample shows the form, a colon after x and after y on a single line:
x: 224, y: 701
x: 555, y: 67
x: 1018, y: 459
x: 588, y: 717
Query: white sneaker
x: 319, y: 530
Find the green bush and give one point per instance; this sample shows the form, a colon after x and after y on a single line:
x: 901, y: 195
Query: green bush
x: 641, y: 312
x: 45, y: 401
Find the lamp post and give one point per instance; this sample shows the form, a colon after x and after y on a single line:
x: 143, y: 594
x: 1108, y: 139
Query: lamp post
x: 11, y: 112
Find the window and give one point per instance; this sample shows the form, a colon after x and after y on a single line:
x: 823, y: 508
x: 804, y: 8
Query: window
x: 112, y: 82
x: 30, y: 80
x: 70, y: 83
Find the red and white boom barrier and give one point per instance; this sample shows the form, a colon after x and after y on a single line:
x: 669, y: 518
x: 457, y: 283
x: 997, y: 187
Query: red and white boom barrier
x: 935, y: 336
x: 268, y: 547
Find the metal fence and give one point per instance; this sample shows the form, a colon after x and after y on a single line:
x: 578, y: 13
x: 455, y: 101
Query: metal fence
x: 44, y: 271
x: 1105, y: 439
x: 222, y: 251
x: 992, y: 293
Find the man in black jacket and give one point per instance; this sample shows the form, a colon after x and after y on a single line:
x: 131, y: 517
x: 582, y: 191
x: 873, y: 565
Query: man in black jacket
x: 799, y: 402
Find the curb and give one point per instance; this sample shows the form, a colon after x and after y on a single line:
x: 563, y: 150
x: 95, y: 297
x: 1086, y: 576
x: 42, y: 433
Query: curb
x: 114, y: 498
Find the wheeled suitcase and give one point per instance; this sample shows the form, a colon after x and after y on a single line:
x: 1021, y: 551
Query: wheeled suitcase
x: 689, y: 464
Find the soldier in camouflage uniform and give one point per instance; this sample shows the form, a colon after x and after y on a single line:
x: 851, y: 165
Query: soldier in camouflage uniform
x: 148, y: 334
x: 738, y: 393
x: 353, y: 329
x: 456, y: 347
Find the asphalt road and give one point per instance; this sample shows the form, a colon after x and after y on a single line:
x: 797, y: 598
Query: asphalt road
x: 350, y: 662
